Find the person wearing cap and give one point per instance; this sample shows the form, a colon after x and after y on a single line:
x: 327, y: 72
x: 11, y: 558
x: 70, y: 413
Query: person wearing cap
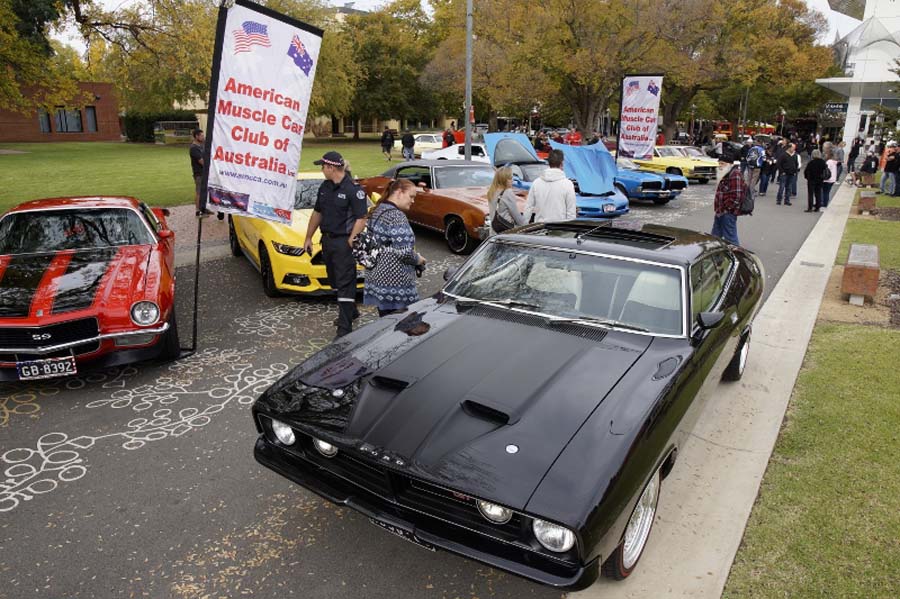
x: 340, y: 214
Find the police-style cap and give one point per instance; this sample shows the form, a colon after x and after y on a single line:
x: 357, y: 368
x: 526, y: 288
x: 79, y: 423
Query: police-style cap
x: 332, y: 158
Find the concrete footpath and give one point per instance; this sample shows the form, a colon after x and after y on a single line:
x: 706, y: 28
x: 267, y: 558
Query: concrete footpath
x: 706, y: 501
x: 214, y: 244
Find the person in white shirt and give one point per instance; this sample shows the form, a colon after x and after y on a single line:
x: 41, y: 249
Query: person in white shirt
x: 552, y: 195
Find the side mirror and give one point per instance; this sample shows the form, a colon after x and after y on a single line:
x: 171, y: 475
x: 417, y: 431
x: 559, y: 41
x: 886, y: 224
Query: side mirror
x: 450, y: 272
x: 166, y: 234
x: 709, y: 320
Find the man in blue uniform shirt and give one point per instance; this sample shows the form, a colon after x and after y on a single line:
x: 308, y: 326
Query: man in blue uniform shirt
x: 340, y: 213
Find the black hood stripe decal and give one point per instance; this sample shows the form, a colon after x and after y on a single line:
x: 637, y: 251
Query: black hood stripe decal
x: 77, y: 287
x: 20, y: 283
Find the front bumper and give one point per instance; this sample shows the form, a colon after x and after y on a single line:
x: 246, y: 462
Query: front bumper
x: 300, y: 276
x: 425, y: 528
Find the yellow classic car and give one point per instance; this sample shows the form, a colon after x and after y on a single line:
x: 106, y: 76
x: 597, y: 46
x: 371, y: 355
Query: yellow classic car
x: 669, y: 159
x: 276, y: 250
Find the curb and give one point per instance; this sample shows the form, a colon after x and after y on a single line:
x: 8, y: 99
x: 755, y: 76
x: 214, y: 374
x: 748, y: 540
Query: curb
x: 708, y: 497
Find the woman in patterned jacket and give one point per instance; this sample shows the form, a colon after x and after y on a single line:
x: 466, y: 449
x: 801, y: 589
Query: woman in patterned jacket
x: 391, y: 285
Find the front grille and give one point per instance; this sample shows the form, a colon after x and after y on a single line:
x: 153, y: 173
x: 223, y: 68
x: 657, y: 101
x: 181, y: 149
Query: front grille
x: 705, y: 170
x: 63, y: 332
x: 651, y: 185
x: 677, y: 185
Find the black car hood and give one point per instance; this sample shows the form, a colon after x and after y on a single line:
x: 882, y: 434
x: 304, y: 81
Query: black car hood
x: 450, y: 400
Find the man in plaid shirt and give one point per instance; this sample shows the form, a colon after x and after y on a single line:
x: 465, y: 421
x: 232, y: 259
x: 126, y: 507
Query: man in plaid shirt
x: 729, y: 193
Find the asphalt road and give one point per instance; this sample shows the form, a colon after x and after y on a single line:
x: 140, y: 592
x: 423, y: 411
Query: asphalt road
x: 140, y: 481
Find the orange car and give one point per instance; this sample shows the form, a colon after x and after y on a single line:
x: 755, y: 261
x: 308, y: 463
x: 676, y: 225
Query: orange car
x: 452, y: 198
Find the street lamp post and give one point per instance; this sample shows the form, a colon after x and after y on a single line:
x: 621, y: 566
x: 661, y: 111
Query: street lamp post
x: 693, y: 110
x: 468, y: 109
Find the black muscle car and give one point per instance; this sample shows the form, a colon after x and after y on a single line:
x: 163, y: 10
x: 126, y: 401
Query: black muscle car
x: 526, y: 415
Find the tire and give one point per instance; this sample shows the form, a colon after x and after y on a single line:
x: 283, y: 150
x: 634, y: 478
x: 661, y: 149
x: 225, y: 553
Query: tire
x: 623, y: 560
x: 233, y: 239
x: 702, y: 181
x: 171, y: 344
x: 673, y: 171
x: 735, y: 369
x: 458, y: 239
x: 661, y: 201
x: 265, y: 270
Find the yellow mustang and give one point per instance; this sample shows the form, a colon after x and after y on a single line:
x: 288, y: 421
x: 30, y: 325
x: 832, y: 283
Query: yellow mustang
x: 276, y: 250
x: 671, y: 160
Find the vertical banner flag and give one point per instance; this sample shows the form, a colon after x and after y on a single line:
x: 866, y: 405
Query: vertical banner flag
x: 638, y: 117
x: 263, y: 70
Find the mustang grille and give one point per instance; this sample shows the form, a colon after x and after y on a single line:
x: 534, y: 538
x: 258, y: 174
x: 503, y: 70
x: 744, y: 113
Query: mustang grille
x: 63, y: 332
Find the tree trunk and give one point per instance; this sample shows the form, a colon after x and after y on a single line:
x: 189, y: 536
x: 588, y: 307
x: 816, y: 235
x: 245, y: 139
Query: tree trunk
x: 585, y: 108
x: 356, y: 123
x: 492, y: 120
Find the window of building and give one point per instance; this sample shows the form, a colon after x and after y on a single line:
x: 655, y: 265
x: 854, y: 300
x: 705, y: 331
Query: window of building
x: 90, y: 115
x: 44, y: 120
x: 68, y: 121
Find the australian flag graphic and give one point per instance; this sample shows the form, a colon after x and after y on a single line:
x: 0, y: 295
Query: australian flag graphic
x: 301, y: 57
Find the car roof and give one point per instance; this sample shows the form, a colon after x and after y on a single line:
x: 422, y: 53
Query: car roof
x: 77, y: 201
x: 656, y: 243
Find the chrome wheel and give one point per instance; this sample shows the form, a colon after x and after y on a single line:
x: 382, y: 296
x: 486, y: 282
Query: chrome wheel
x: 638, y: 529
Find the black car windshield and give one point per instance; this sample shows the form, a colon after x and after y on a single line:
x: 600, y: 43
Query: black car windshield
x: 306, y: 193
x: 463, y: 176
x: 42, y: 231
x: 562, y: 284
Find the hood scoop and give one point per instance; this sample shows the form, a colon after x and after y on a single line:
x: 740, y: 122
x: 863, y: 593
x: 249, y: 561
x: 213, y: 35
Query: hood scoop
x: 492, y: 413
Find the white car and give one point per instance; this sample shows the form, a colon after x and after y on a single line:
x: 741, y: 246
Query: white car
x: 458, y: 152
x: 425, y: 142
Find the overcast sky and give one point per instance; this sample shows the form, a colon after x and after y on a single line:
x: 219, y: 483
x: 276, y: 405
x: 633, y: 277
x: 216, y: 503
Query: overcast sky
x: 837, y: 21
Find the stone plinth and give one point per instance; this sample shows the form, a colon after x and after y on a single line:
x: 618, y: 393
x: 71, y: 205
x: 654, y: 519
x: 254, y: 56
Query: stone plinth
x: 861, y: 273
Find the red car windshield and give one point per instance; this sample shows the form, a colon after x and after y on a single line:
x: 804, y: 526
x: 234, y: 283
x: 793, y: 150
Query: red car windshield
x: 43, y: 231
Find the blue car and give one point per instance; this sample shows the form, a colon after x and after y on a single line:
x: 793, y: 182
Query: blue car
x: 596, y: 195
x: 644, y: 185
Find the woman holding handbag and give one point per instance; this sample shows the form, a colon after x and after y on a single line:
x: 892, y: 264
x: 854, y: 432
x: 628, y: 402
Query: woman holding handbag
x: 503, y: 205
x: 390, y: 284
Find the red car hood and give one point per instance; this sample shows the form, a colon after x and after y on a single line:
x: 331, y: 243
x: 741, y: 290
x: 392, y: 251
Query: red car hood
x: 35, y: 285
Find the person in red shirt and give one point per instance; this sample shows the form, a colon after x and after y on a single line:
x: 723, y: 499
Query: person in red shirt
x: 729, y: 193
x: 660, y: 139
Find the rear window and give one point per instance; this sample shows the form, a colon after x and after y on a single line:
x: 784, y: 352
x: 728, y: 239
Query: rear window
x: 55, y: 230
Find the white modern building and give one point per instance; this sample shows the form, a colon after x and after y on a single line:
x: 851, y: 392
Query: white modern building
x: 867, y: 54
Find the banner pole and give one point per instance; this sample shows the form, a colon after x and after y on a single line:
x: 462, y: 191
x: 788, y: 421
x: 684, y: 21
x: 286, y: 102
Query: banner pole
x: 619, y: 133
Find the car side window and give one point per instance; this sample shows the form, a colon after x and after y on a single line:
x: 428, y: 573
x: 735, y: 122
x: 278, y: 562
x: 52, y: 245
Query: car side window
x: 416, y: 174
x: 708, y: 279
x: 477, y: 151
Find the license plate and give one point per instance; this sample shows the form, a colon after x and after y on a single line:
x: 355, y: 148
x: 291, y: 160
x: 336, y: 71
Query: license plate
x: 406, y: 535
x: 609, y: 208
x: 46, y: 369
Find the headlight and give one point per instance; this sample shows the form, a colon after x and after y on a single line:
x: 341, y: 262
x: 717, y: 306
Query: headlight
x: 493, y: 512
x: 326, y: 449
x: 144, y: 313
x: 283, y: 432
x: 289, y: 250
x: 553, y: 536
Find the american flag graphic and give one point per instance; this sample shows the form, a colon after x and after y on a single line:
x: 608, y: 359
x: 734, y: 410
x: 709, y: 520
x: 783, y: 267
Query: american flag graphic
x: 301, y: 57
x: 633, y: 86
x: 251, y: 34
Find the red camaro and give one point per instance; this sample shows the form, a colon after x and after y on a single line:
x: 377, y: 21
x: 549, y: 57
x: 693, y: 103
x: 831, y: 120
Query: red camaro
x: 87, y: 281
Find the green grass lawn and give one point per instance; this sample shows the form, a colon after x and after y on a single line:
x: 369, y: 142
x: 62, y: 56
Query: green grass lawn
x: 827, y: 519
x: 160, y: 175
x: 884, y: 234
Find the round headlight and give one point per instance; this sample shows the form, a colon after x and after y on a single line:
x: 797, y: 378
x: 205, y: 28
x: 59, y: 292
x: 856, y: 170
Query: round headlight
x: 554, y: 537
x: 493, y: 512
x: 283, y: 432
x: 326, y: 449
x: 144, y: 313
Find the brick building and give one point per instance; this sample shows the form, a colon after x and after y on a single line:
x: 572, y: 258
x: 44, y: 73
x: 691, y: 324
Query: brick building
x: 96, y: 120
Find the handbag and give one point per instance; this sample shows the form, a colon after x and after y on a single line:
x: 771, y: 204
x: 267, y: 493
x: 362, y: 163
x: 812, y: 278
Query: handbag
x: 365, y: 248
x: 500, y: 224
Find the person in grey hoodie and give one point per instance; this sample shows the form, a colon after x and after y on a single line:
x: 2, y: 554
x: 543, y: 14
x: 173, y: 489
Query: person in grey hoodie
x: 552, y: 195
